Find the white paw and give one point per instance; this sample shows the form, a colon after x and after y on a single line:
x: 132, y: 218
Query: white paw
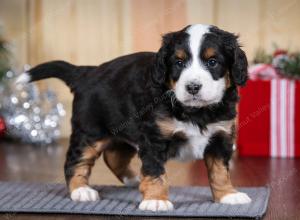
x: 134, y: 181
x: 84, y: 194
x: 156, y: 205
x: 23, y: 78
x: 236, y: 198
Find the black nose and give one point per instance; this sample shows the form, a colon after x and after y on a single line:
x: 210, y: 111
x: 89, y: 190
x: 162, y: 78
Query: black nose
x: 193, y: 88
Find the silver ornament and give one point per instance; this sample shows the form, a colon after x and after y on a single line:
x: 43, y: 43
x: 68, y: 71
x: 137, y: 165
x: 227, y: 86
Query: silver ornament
x: 32, y: 116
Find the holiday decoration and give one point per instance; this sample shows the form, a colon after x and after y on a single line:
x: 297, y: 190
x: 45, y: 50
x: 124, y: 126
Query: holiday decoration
x: 291, y: 67
x: 268, y: 121
x: 2, y: 127
x: 4, y: 56
x: 281, y: 65
x: 30, y: 116
x: 26, y: 113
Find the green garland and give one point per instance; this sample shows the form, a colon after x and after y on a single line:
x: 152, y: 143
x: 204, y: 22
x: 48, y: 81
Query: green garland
x: 4, y: 57
x: 289, y: 68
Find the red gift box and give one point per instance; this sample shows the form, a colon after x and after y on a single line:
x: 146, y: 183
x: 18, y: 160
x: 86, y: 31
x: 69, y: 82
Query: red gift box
x: 269, y: 119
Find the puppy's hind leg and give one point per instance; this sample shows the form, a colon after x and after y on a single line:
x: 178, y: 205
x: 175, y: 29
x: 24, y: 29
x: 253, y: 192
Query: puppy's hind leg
x: 81, y: 157
x: 118, y: 157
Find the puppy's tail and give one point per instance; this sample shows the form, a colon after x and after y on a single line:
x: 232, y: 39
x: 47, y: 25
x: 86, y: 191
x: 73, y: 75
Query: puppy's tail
x: 58, y: 69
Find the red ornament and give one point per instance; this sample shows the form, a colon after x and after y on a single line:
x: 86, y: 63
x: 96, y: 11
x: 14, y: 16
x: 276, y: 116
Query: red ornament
x: 279, y: 52
x: 2, y: 126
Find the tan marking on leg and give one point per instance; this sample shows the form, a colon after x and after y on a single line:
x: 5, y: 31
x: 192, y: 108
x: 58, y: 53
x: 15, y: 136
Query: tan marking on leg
x: 219, y: 178
x: 94, y: 151
x: 118, y: 160
x: 82, y: 170
x: 154, y: 188
x: 166, y: 126
x: 80, y: 178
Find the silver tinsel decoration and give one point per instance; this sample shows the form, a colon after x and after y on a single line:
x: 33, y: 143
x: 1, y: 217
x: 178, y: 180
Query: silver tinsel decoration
x: 30, y: 115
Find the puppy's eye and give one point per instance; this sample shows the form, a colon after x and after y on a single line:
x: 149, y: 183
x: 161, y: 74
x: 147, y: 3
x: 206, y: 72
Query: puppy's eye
x: 179, y: 63
x: 212, y: 62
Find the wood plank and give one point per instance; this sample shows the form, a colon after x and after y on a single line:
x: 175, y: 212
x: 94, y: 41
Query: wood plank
x: 151, y: 19
x: 281, y: 24
x: 13, y: 19
x: 241, y: 17
x: 200, y: 11
x: 81, y: 32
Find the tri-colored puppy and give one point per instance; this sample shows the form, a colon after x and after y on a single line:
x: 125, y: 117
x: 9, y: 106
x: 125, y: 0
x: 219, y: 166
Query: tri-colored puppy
x: 178, y: 103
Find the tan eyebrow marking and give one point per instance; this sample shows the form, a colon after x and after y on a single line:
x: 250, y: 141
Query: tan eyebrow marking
x: 181, y: 54
x: 209, y: 52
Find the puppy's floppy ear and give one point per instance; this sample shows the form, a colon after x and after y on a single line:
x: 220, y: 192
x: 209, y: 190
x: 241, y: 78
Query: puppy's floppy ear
x: 239, y: 68
x: 238, y: 64
x: 161, y: 65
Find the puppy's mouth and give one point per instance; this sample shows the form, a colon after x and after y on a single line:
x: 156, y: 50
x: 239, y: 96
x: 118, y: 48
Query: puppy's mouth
x: 197, y: 101
x: 194, y: 98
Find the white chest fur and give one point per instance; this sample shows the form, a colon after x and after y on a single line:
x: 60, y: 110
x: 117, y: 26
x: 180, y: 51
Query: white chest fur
x: 197, y: 141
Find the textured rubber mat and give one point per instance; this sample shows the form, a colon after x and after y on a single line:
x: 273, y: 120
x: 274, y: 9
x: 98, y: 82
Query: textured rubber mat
x: 120, y: 200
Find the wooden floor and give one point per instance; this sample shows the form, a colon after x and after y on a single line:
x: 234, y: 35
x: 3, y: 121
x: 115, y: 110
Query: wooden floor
x: 45, y: 164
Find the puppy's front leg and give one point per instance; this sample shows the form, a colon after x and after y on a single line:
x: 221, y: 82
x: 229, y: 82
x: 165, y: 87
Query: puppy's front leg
x: 216, y: 157
x: 155, y: 192
x: 154, y: 184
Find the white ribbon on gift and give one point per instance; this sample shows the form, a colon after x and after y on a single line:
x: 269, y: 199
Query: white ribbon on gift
x: 282, y: 121
x: 282, y: 118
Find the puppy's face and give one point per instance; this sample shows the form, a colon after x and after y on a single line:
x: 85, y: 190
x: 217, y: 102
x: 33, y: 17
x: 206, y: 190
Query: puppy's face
x: 199, y: 62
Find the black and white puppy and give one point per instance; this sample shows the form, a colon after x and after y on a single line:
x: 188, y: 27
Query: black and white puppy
x: 178, y: 103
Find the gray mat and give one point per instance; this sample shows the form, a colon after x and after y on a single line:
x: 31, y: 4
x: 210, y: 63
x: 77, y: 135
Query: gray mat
x: 116, y: 200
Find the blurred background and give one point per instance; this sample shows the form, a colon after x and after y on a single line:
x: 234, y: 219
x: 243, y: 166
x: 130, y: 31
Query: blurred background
x: 89, y: 32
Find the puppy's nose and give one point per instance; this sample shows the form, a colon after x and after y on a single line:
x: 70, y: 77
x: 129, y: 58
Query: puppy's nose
x: 193, y: 88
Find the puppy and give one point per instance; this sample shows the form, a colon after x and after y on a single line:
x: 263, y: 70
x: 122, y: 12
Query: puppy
x: 178, y: 103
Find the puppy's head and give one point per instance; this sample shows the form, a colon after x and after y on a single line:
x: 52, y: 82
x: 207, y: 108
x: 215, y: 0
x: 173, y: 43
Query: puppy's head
x: 199, y: 62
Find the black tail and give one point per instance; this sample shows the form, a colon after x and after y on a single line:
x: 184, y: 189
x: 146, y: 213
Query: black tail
x: 67, y: 72
x: 57, y: 69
